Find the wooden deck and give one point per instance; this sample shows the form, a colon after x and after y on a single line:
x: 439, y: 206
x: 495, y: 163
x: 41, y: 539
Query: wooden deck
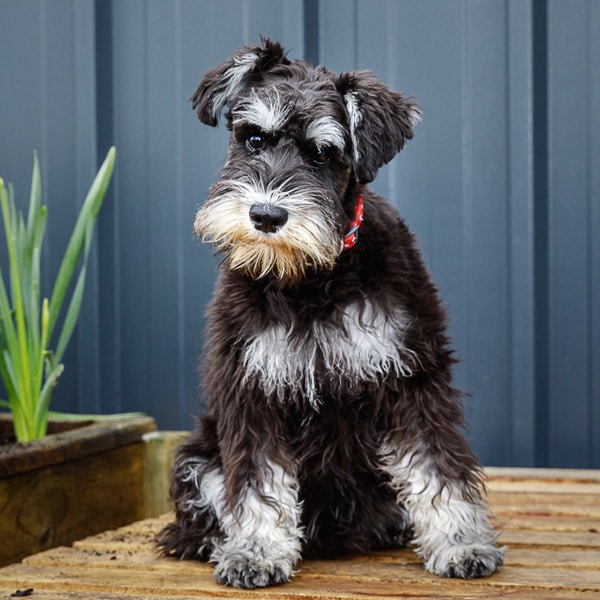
x: 550, y: 520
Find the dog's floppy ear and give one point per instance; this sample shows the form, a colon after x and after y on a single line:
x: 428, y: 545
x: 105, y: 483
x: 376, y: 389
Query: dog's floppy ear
x: 223, y: 83
x: 380, y: 121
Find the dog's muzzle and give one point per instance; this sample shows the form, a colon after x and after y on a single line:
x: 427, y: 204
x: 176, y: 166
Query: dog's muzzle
x: 268, y: 218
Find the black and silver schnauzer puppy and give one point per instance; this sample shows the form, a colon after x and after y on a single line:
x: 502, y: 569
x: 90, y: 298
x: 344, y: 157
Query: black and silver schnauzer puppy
x: 331, y: 423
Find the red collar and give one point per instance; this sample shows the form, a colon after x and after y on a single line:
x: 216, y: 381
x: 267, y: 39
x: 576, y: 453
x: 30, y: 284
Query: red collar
x: 352, y: 235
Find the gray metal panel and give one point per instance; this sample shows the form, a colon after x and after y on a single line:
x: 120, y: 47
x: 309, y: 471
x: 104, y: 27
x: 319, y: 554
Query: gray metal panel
x: 520, y: 256
x: 47, y: 66
x: 573, y: 205
x: 501, y: 186
x: 594, y: 223
x: 485, y: 226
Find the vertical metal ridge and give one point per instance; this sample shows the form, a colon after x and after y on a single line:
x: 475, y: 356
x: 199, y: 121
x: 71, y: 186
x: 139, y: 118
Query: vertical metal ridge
x: 87, y: 335
x: 467, y: 208
x: 509, y: 449
x: 179, y: 195
x: 108, y: 229
x: 591, y: 267
x: 104, y: 77
x: 519, y: 233
x: 541, y: 251
x: 594, y: 226
x: 312, y: 49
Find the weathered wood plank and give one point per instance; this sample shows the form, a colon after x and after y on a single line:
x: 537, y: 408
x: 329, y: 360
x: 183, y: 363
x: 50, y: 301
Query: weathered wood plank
x: 322, y: 578
x: 530, y: 475
x: 549, y: 509
x: 550, y: 556
x: 38, y: 594
x: 541, y: 522
x: 381, y: 566
x: 546, y: 486
x: 563, y: 500
x: 144, y: 531
x: 135, y: 555
x: 433, y: 592
x: 543, y: 558
x: 550, y: 539
x: 160, y: 452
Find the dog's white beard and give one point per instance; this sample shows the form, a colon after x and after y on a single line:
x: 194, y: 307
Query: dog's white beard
x: 308, y: 240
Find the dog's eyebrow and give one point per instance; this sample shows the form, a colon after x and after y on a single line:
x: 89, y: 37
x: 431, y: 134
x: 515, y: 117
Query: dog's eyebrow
x: 268, y: 115
x: 326, y: 131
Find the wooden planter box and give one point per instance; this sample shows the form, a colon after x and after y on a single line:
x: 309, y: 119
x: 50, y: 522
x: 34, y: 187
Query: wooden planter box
x: 78, y: 481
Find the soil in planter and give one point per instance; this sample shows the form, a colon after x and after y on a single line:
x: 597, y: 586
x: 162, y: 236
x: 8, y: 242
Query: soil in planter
x: 6, y: 441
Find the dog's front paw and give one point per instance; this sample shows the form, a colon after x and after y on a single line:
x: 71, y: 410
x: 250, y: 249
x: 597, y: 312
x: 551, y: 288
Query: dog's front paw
x: 252, y: 572
x: 466, y: 561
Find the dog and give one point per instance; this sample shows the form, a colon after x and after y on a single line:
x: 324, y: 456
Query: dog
x: 331, y: 424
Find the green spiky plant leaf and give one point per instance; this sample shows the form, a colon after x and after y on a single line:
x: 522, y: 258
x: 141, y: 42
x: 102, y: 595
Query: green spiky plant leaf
x: 30, y: 324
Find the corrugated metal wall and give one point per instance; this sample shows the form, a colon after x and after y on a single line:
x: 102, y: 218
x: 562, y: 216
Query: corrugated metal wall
x: 501, y: 185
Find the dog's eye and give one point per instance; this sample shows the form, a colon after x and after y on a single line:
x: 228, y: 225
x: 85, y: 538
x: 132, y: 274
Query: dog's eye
x: 255, y: 141
x: 320, y: 156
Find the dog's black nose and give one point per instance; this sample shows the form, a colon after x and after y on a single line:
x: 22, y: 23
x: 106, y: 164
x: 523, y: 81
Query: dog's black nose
x: 268, y: 218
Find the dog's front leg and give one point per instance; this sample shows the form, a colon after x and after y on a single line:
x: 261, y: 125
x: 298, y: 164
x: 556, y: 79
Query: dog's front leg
x: 260, y: 519
x: 452, y: 530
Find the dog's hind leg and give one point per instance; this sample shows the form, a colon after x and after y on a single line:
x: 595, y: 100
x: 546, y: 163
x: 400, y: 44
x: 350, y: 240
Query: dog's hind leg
x: 196, y: 490
x: 453, y: 533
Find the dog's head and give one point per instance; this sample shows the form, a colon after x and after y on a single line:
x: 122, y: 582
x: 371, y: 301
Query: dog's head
x: 301, y: 140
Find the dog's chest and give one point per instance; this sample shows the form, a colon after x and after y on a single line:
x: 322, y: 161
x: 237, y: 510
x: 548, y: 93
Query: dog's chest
x: 361, y: 345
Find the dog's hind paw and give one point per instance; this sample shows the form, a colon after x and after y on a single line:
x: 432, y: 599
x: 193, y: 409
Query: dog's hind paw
x: 466, y: 562
x: 241, y: 572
